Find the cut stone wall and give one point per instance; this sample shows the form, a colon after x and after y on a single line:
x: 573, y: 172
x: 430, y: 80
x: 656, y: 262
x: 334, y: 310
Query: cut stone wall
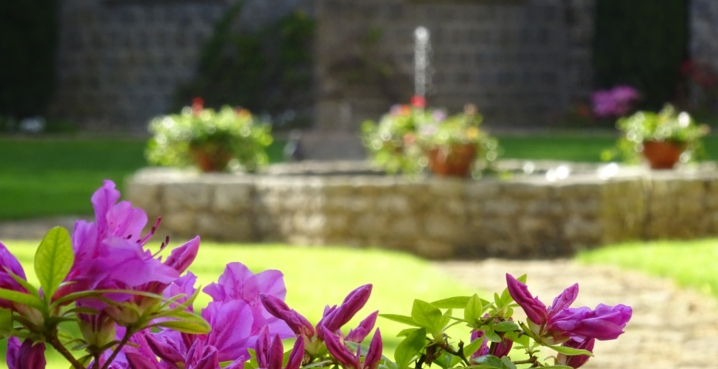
x: 527, y: 217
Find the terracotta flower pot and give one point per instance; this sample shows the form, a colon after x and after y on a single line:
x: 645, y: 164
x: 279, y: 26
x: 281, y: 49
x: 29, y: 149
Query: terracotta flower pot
x: 454, y: 161
x: 210, y: 158
x: 662, y: 154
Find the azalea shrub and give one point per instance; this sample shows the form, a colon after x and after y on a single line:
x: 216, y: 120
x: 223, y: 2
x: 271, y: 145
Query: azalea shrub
x: 135, y: 310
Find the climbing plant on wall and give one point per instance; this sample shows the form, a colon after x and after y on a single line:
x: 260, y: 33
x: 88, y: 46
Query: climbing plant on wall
x: 268, y: 70
x: 641, y: 43
x: 28, y: 44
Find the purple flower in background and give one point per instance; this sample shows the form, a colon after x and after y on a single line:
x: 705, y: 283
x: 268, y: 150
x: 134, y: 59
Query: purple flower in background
x: 561, y: 322
x: 25, y: 355
x: 615, y: 102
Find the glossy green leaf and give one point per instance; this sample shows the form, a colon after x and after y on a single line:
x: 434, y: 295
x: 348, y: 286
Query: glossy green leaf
x: 21, y: 298
x: 458, y: 302
x: 472, y: 347
x: 6, y: 327
x: 570, y: 351
x: 473, y: 309
x: 410, y: 348
x: 506, y: 327
x: 53, y: 260
x: 427, y: 316
x: 187, y: 323
x: 401, y: 319
x: 507, y: 363
x: 406, y: 332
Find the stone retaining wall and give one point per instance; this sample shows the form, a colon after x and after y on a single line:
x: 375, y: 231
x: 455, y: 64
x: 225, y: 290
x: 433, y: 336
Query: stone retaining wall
x: 527, y: 217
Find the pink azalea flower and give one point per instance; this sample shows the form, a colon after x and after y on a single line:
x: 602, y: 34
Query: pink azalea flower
x: 560, y: 322
x: 9, y: 263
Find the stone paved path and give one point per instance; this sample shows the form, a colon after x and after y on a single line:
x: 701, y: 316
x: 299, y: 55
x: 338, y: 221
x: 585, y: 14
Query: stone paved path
x: 671, y: 328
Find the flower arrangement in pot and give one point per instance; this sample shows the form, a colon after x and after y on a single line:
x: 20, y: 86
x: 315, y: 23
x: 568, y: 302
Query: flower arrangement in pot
x: 411, y: 138
x: 209, y: 139
x: 454, y: 146
x: 391, y: 141
x: 663, y: 139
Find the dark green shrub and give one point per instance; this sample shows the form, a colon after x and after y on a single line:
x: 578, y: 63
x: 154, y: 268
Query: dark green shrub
x: 267, y: 71
x: 28, y: 44
x: 641, y: 43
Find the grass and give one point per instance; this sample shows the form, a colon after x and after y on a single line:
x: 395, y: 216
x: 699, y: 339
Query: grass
x: 308, y: 290
x: 691, y: 264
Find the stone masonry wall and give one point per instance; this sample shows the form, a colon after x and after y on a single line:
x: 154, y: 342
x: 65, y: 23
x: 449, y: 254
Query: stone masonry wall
x: 434, y: 218
x: 120, y: 61
x: 520, y: 62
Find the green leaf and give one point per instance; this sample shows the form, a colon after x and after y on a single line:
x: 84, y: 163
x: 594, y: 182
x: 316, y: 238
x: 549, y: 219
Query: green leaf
x: 25, y: 284
x: 401, y: 319
x: 6, y: 327
x: 506, y: 327
x: 458, y: 302
x: 21, y: 298
x: 427, y: 316
x: 53, y: 260
x: 518, y: 338
x: 410, y: 348
x: 196, y: 326
x: 473, y: 309
x: 570, y: 351
x: 406, y: 332
x: 507, y: 363
x: 492, y: 336
x: 472, y: 347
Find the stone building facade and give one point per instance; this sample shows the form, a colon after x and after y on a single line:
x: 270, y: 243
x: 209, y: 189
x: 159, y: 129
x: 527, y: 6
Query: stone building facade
x: 521, y: 62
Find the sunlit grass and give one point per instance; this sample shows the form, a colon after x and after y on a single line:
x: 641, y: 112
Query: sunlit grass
x: 689, y: 263
x: 316, y: 277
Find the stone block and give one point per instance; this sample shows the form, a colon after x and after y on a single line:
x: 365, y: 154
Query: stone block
x: 186, y: 195
x: 233, y: 197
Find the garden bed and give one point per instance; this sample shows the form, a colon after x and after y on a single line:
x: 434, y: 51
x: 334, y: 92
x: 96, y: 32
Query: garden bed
x: 543, y: 209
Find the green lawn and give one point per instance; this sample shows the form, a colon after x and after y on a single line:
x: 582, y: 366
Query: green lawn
x: 690, y: 263
x: 398, y: 279
x: 42, y: 177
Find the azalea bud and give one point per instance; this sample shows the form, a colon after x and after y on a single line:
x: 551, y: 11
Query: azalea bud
x: 349, y: 307
x: 296, y: 322
x: 576, y: 361
x: 340, y: 352
x: 182, y: 257
x: 535, y: 310
x: 25, y: 356
x: 359, y: 333
x: 371, y: 361
x: 297, y: 356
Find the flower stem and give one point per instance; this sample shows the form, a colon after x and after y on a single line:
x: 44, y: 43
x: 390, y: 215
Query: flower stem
x: 55, y: 343
x: 128, y: 333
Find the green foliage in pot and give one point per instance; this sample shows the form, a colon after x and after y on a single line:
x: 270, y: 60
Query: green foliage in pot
x: 399, y: 142
x: 668, y: 125
x: 231, y: 131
